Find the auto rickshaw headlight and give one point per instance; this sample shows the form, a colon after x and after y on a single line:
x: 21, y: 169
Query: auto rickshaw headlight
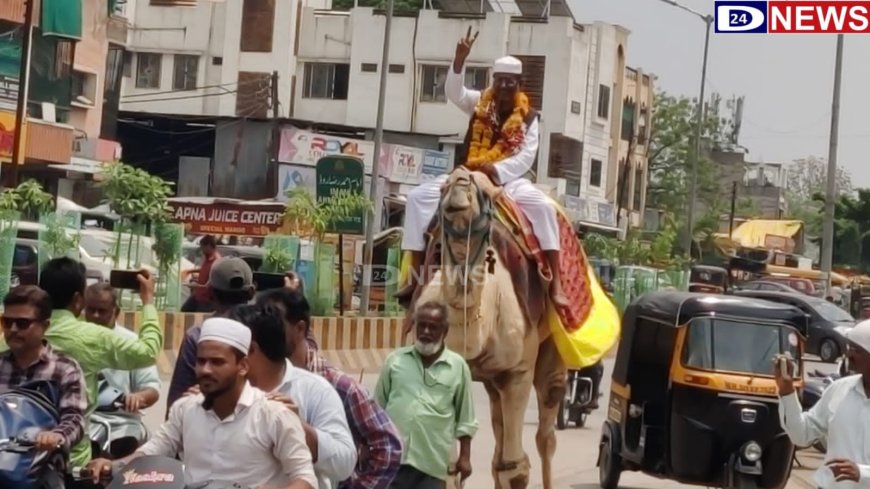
x: 752, y: 452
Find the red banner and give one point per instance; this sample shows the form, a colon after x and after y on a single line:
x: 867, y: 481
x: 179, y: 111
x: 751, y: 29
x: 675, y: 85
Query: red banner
x: 228, y: 219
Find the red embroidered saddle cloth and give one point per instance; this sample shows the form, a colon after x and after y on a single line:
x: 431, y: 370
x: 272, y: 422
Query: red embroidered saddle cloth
x: 518, y: 248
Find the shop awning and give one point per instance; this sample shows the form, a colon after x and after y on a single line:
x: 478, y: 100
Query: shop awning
x: 84, y: 166
x: 62, y: 18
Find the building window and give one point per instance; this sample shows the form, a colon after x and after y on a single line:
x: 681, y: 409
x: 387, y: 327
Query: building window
x: 148, y: 70
x: 627, y: 121
x: 576, y: 108
x: 128, y: 64
x: 603, y: 101
x: 84, y: 88
x: 326, y: 81
x: 217, y: 60
x: 368, y: 67
x: 186, y: 68
x: 432, y: 88
x: 642, y: 126
x: 638, y: 188
x: 476, y: 78
x: 595, y: 173
x: 572, y: 187
x: 397, y: 69
x: 258, y: 22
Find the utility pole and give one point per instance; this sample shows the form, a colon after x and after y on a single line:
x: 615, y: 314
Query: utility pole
x: 374, y: 194
x: 733, y: 208
x: 827, y: 258
x: 272, y: 181
x: 23, y: 89
x: 696, y: 153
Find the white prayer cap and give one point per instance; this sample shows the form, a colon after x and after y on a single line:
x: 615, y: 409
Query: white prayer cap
x: 508, y: 66
x: 228, y: 332
x: 858, y: 335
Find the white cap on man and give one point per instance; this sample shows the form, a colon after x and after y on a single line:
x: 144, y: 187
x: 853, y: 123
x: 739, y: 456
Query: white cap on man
x: 507, y: 66
x: 228, y: 332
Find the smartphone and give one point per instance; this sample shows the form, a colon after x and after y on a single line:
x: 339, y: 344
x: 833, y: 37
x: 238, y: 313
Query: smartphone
x: 268, y: 281
x: 124, y: 279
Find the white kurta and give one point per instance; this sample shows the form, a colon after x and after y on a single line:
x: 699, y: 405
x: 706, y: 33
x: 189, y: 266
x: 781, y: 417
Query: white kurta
x: 423, y: 200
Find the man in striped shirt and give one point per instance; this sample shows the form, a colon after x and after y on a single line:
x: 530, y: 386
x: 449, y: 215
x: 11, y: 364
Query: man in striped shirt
x: 380, y: 448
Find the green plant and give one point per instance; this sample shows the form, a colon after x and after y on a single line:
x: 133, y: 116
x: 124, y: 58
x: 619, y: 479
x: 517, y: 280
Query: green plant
x: 168, y: 239
x: 139, y: 198
x: 277, y: 260
x: 28, y: 196
x: 57, y: 239
x: 309, y: 218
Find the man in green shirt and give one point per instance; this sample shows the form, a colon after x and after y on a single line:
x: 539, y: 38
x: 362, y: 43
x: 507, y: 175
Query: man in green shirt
x: 426, y: 390
x: 95, y: 347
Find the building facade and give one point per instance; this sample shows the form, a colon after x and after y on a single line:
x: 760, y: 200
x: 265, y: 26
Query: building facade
x: 63, y: 136
x: 221, y: 60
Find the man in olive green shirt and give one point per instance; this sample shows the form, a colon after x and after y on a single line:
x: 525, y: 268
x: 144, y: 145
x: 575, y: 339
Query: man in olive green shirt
x: 95, y: 347
x: 426, y: 390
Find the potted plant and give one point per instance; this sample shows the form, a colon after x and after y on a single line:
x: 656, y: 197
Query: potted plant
x: 308, y: 218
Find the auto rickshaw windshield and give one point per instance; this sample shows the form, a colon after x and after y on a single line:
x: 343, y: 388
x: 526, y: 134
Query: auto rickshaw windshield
x: 730, y: 345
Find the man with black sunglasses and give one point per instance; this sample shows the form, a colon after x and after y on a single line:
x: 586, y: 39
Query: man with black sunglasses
x: 26, y: 315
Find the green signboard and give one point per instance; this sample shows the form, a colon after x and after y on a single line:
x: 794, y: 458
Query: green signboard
x: 335, y: 174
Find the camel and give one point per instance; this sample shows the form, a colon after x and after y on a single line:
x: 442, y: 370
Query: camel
x: 508, y: 347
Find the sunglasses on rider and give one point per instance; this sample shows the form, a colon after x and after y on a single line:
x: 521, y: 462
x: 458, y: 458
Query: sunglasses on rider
x: 19, y: 323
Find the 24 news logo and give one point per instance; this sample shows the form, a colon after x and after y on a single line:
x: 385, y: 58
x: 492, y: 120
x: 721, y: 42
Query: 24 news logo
x: 792, y: 17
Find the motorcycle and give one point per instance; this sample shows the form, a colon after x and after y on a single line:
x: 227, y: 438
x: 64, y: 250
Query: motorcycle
x: 152, y: 471
x: 581, y: 397
x: 114, y: 432
x: 814, y: 386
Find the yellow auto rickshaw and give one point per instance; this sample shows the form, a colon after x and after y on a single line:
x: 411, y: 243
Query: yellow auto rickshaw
x: 693, y: 398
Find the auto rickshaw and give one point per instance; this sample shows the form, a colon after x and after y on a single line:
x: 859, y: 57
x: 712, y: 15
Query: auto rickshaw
x: 693, y: 398
x: 705, y: 278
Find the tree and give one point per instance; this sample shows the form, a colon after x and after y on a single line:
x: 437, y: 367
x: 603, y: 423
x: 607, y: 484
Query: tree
x: 669, y: 158
x: 807, y: 178
x: 851, y: 229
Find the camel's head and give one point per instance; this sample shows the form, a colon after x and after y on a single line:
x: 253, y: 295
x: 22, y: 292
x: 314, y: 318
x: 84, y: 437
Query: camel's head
x: 462, y: 202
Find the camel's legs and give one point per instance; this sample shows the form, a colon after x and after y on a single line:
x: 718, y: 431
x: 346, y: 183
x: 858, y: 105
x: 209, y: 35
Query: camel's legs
x: 514, y: 389
x: 497, y: 428
x: 550, y: 380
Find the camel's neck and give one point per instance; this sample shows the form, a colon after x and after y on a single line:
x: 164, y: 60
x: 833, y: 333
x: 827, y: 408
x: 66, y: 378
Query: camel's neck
x: 464, y: 272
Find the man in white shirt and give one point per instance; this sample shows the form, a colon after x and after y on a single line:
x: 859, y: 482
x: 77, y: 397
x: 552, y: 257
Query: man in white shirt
x: 316, y: 401
x: 230, y: 432
x: 141, y: 387
x: 841, y: 416
x: 501, y: 143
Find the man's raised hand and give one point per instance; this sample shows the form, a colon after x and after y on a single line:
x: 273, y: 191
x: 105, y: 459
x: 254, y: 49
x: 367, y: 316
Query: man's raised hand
x: 463, y: 48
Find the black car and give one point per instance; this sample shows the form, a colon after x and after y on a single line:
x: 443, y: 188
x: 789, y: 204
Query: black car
x: 822, y: 339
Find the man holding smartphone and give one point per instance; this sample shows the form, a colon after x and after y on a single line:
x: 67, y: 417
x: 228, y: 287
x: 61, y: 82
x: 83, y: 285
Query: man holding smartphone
x: 838, y: 417
x: 92, y: 346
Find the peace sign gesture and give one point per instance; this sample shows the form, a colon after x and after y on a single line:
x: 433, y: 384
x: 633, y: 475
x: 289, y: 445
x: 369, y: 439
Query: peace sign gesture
x: 463, y: 48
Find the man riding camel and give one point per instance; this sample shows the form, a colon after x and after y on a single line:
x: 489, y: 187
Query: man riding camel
x: 501, y: 143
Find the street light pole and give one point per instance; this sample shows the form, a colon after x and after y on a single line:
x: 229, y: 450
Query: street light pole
x: 827, y: 258
x: 696, y: 153
x: 374, y: 194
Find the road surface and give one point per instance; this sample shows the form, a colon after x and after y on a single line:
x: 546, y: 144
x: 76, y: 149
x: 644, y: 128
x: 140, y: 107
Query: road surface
x: 576, y: 452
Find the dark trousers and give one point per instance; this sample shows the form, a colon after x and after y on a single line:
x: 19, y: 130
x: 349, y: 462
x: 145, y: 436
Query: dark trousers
x: 411, y: 478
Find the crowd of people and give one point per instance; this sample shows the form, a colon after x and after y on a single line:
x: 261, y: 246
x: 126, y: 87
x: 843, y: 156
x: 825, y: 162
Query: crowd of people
x: 251, y: 400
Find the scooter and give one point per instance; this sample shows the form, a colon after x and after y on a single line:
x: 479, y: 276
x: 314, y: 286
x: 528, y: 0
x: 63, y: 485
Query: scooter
x: 41, y: 473
x: 114, y: 432
x: 578, y: 401
x: 152, y: 471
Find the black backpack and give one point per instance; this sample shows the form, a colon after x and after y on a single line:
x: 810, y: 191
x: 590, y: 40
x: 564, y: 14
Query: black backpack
x: 25, y: 411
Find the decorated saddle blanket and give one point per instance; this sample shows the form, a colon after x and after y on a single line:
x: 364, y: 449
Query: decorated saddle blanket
x: 518, y: 248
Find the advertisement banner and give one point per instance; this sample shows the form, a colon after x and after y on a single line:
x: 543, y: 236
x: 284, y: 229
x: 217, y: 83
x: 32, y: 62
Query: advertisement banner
x: 336, y: 174
x: 405, y: 163
x: 7, y: 137
x: 224, y: 218
x: 435, y: 163
x: 291, y: 177
x: 300, y: 147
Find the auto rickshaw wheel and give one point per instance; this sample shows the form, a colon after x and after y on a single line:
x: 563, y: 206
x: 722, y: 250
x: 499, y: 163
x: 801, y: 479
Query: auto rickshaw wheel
x: 581, y: 421
x: 563, y: 415
x: 609, y: 464
x: 746, y: 481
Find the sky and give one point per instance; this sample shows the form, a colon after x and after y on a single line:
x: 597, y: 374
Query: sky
x: 787, y: 79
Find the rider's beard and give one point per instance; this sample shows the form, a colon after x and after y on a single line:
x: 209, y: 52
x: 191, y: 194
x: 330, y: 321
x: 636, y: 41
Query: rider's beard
x: 428, y: 349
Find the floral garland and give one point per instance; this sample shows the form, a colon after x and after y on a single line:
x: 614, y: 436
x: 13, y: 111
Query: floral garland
x: 481, y: 150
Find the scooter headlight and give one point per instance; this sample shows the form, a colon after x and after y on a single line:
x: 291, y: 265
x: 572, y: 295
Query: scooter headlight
x: 752, y: 452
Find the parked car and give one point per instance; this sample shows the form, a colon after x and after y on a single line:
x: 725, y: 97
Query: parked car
x: 802, y: 285
x: 25, y: 265
x: 822, y: 339
x: 769, y: 286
